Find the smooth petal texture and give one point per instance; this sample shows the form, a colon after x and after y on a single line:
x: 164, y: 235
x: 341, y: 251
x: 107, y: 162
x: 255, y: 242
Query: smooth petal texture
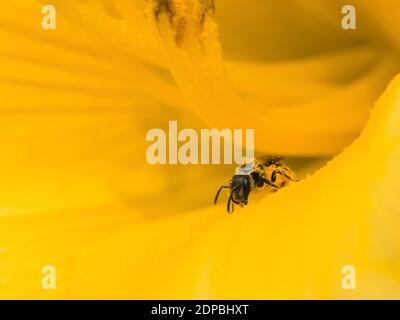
x: 347, y: 72
x: 77, y: 192
x: 291, y: 244
x: 345, y: 81
x: 70, y: 107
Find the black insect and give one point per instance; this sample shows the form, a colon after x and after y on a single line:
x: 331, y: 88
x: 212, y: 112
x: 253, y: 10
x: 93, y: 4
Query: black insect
x: 262, y: 173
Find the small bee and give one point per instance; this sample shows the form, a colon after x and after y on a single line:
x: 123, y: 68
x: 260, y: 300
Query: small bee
x: 261, y: 173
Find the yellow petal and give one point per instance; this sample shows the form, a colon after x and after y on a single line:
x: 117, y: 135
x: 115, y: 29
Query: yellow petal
x: 291, y: 244
x: 313, y: 112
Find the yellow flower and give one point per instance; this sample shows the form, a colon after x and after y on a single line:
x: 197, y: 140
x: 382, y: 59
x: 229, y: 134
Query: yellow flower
x: 78, y: 194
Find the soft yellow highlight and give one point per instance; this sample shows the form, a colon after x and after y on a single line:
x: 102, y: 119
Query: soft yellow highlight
x: 76, y: 191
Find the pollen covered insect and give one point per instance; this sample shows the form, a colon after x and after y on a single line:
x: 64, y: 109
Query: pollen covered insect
x: 268, y: 173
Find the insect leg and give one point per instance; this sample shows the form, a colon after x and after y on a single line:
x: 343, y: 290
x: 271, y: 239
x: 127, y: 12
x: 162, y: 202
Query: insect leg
x: 269, y: 183
x: 218, y: 192
x: 284, y: 174
x: 228, y: 207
